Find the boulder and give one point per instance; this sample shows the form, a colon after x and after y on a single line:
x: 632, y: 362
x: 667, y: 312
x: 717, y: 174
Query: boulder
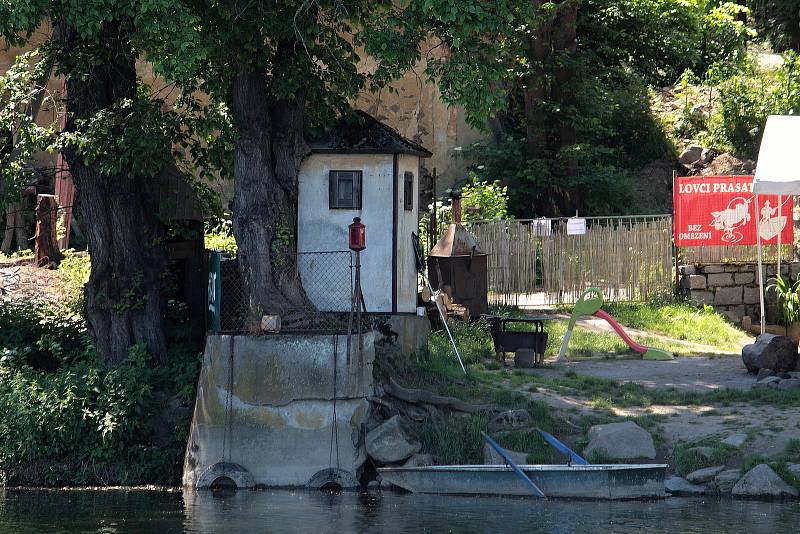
x: 510, y: 420
x: 777, y: 353
x: 490, y: 456
x: 420, y: 460
x: 680, y: 486
x: 724, y: 482
x: 620, y: 441
x: 390, y: 442
x: 769, y: 382
x: 690, y: 154
x: 701, y: 476
x: 763, y: 482
x: 764, y: 373
x: 735, y: 440
x: 789, y: 383
x: 707, y: 156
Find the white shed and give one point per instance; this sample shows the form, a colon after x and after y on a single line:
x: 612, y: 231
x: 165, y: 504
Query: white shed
x: 365, y: 169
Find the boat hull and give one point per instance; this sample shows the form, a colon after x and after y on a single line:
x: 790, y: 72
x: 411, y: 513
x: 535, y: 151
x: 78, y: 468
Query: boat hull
x: 600, y: 481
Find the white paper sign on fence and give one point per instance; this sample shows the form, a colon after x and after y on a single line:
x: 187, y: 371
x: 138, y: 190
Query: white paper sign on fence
x: 540, y: 227
x: 576, y: 226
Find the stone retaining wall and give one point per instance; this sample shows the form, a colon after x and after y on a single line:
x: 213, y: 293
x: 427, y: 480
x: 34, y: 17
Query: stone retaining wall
x: 732, y: 288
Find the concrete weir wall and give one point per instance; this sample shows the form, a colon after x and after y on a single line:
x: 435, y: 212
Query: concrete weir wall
x: 732, y: 288
x: 265, y: 412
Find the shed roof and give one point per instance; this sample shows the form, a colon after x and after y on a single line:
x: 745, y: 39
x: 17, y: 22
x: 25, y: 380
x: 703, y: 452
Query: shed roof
x: 364, y: 134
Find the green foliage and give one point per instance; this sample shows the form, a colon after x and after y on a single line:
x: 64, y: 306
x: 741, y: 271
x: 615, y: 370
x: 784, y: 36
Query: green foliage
x: 16, y: 124
x: 788, y: 298
x: 688, y: 459
x: 67, y: 419
x: 220, y: 237
x: 75, y: 269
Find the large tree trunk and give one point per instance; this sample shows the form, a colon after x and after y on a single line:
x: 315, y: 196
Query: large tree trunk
x: 269, y: 150
x: 125, y: 237
x: 537, y: 88
x: 565, y: 45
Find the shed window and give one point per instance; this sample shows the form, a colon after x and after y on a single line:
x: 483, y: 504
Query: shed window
x: 345, y: 190
x: 408, y: 191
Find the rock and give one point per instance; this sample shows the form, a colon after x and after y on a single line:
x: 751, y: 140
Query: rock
x: 762, y: 481
x: 390, y: 442
x: 777, y: 353
x: 690, y: 154
x: 770, y: 381
x: 789, y: 383
x: 680, y: 486
x: 707, y: 156
x: 727, y: 165
x: 620, y: 441
x: 723, y: 483
x: 764, y: 373
x: 490, y: 456
x: 420, y: 460
x: 735, y: 440
x: 705, y: 452
x: 701, y: 476
x: 510, y: 420
x: 374, y: 485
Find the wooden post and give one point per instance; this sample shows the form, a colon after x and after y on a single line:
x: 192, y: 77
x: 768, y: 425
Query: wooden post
x: 46, y: 244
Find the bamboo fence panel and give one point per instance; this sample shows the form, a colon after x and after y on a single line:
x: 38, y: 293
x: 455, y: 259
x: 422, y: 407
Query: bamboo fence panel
x: 628, y: 258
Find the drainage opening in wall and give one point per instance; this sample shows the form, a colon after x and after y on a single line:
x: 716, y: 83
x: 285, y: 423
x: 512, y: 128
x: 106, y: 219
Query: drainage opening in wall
x: 223, y: 484
x: 331, y: 487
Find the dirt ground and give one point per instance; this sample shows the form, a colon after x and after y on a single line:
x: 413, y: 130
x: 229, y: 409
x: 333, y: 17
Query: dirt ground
x: 769, y: 428
x: 21, y: 279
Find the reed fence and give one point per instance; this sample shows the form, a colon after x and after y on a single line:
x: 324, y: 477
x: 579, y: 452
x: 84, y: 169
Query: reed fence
x: 536, y: 262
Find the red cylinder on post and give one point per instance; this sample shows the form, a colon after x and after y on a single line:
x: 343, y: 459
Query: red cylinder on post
x: 357, y: 235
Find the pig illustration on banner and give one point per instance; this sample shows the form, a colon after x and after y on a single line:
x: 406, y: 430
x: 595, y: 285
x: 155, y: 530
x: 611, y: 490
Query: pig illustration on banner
x: 736, y: 214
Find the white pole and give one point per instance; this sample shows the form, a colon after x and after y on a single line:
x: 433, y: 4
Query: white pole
x: 760, y: 270
x: 780, y: 199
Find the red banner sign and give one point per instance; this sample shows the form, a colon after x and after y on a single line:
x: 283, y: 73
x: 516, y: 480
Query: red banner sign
x: 721, y: 210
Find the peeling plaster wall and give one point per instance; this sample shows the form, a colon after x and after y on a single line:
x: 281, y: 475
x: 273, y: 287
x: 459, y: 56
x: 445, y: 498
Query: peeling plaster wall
x: 278, y: 392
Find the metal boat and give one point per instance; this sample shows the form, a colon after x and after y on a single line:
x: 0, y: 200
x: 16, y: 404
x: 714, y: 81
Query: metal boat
x: 597, y: 481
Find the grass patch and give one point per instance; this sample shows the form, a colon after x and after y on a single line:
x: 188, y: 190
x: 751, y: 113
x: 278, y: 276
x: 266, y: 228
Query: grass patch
x: 688, y: 457
x: 679, y: 320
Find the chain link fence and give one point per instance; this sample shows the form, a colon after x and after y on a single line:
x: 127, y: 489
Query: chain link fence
x: 321, y: 306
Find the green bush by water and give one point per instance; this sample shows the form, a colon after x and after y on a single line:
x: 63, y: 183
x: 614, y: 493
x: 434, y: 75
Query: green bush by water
x: 67, y: 419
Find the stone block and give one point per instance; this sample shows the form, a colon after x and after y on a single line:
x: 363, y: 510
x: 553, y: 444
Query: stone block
x: 733, y: 313
x: 697, y: 281
x: 744, y: 278
x: 701, y: 297
x: 794, y: 269
x: 712, y: 269
x: 721, y: 279
x: 751, y: 295
x: 728, y: 296
x: 772, y: 269
x: 687, y: 270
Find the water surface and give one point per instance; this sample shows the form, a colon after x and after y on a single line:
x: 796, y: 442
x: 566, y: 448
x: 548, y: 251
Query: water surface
x: 23, y: 511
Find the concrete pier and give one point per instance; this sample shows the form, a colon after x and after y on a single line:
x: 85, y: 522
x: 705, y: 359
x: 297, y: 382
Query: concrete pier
x: 280, y: 411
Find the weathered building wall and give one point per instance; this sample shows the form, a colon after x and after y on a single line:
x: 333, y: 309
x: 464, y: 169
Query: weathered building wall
x: 416, y: 110
x: 285, y: 408
x: 732, y: 288
x: 406, y: 225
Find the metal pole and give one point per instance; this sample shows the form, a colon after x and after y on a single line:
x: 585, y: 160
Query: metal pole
x: 760, y: 270
x: 780, y: 231
x: 357, y: 296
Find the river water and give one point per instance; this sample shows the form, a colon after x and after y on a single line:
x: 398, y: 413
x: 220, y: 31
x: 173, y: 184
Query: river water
x: 109, y: 512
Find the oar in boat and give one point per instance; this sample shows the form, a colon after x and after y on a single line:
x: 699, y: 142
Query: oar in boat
x: 563, y: 449
x: 521, y: 474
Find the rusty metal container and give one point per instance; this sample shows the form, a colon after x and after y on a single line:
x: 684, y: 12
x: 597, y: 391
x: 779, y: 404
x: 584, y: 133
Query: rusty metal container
x: 459, y: 267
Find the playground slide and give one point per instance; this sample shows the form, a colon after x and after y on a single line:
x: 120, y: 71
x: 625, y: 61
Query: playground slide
x: 602, y: 314
x: 590, y: 303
